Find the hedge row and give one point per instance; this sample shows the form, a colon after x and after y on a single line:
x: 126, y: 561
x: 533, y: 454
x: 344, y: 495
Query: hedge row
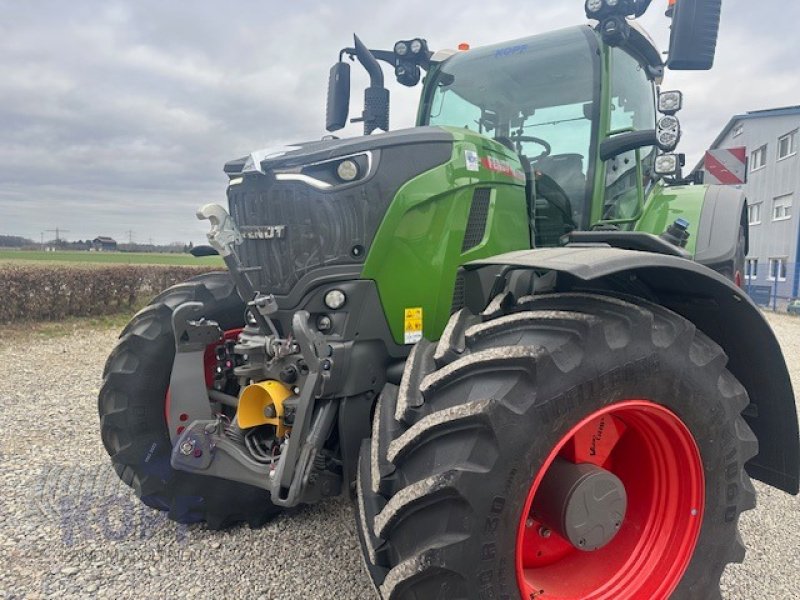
x: 51, y: 293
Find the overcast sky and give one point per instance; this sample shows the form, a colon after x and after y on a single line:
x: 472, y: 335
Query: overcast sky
x: 118, y: 116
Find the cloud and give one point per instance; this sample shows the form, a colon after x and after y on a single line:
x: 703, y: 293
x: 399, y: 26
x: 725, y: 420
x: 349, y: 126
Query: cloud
x: 119, y: 115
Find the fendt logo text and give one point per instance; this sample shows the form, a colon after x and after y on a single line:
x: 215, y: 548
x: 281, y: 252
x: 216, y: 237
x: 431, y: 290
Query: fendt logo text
x: 264, y: 232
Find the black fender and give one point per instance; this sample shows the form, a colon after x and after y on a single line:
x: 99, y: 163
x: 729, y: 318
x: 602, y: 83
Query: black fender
x: 715, y: 306
x: 724, y: 212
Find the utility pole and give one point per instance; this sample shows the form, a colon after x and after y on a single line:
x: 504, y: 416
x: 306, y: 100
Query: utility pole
x: 130, y: 236
x: 41, y: 235
x: 58, y: 233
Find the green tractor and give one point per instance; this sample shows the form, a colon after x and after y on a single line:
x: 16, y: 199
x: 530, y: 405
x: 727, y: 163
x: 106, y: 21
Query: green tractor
x: 514, y: 333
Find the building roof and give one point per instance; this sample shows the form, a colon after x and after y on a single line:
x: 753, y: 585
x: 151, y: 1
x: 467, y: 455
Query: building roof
x: 756, y: 114
x: 784, y: 111
x: 104, y: 240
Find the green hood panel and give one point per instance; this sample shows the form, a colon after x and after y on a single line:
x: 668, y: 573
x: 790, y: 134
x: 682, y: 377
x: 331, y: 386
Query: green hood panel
x: 421, y: 242
x: 670, y: 203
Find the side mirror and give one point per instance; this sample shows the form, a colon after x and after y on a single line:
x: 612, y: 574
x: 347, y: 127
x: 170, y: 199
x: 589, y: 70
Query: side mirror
x: 338, y: 97
x: 693, y: 42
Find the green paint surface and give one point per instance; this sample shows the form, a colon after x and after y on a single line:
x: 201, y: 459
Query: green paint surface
x: 417, y: 250
x: 666, y: 204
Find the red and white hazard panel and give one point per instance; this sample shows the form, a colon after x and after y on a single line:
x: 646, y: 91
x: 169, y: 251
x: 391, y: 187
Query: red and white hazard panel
x: 726, y: 166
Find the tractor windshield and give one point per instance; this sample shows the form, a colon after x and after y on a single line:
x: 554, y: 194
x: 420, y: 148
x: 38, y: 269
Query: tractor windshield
x: 539, y: 94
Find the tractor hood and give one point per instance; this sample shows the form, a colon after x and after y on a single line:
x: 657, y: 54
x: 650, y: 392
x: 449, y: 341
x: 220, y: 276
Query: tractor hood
x: 305, y: 153
x: 301, y: 211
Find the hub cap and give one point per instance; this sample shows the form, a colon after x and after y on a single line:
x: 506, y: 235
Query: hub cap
x: 615, y: 510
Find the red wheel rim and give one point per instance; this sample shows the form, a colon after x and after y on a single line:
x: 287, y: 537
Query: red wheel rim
x: 209, y: 364
x: 656, y: 457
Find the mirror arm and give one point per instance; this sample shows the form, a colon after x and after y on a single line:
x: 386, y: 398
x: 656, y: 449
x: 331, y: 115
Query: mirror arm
x: 367, y: 60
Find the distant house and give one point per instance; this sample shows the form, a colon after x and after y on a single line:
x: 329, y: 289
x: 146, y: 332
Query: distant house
x: 104, y: 244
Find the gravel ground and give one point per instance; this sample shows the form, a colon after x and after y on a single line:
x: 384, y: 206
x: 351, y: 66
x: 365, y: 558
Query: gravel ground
x: 70, y: 529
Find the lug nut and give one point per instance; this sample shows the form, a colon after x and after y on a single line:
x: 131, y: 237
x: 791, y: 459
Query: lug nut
x: 544, y: 532
x: 187, y: 447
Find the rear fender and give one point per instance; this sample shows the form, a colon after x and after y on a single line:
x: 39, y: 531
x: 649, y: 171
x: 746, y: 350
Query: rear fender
x: 724, y: 213
x: 715, y: 306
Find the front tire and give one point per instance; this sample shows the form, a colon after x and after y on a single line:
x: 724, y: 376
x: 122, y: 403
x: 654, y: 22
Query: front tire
x: 132, y: 412
x: 447, y: 487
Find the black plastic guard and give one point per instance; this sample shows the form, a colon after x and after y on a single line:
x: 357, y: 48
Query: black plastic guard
x: 716, y: 307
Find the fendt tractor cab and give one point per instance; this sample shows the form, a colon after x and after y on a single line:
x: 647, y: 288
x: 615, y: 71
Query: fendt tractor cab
x: 513, y: 333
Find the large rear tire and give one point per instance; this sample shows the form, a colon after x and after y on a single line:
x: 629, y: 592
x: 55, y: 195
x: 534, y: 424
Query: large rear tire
x: 452, y: 486
x: 132, y: 412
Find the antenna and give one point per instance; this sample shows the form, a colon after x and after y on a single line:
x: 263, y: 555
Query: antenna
x: 58, y: 233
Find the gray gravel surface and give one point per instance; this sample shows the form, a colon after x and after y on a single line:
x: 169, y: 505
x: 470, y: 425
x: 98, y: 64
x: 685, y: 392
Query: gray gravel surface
x: 70, y: 529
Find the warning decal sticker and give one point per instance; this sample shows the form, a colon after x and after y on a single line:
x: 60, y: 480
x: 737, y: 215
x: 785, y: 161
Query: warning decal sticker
x: 412, y: 325
x: 471, y: 158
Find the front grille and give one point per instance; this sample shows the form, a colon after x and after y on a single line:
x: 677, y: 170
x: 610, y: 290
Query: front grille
x: 478, y: 215
x: 320, y: 229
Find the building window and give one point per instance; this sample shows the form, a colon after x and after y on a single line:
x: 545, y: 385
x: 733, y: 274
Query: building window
x: 777, y: 269
x: 787, y: 145
x: 738, y: 130
x: 751, y: 268
x: 782, y: 208
x: 754, y: 214
x: 758, y: 159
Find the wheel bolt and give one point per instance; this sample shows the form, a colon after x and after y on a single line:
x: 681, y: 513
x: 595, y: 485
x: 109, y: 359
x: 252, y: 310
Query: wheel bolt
x: 529, y: 523
x: 187, y: 447
x: 544, y: 532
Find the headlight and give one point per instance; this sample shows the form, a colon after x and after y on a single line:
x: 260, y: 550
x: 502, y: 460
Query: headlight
x: 666, y: 164
x: 401, y: 48
x: 594, y: 6
x: 347, y: 170
x: 335, y: 299
x: 668, y: 132
x: 416, y: 46
x: 668, y: 123
x: 670, y: 102
x: 667, y: 139
x: 324, y: 323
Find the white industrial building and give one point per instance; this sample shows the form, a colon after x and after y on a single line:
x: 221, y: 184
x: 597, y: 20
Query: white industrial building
x: 772, y: 139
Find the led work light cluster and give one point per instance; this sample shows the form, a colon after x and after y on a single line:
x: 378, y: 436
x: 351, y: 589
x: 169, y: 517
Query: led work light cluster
x: 409, y: 54
x: 668, y: 133
x: 612, y: 16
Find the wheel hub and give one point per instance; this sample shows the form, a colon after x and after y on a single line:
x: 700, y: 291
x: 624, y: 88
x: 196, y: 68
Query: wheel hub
x: 583, y: 503
x: 615, y: 510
